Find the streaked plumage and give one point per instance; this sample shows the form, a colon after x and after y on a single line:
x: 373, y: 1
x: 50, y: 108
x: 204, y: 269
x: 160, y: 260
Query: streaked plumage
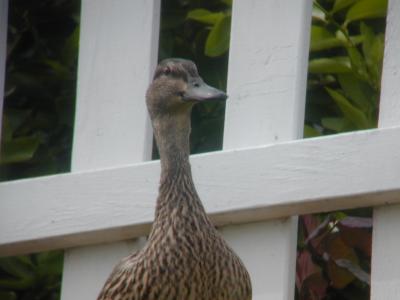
x: 185, y: 257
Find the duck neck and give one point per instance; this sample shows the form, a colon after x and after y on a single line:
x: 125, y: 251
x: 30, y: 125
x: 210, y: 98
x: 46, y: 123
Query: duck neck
x: 172, y: 137
x: 178, y: 202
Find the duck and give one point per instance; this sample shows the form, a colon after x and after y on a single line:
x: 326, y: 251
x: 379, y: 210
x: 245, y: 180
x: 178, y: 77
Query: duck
x: 185, y: 256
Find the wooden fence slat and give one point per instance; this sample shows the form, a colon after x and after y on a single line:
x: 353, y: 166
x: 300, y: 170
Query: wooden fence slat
x: 3, y: 53
x: 385, y: 266
x: 90, y: 207
x: 118, y: 52
x: 266, y: 85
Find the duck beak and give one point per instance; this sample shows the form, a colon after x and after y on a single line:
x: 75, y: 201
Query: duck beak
x: 199, y: 91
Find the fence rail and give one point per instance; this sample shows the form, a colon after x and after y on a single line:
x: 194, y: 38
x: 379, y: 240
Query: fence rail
x: 90, y: 207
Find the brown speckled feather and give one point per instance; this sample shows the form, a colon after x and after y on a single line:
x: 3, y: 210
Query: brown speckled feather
x: 185, y: 257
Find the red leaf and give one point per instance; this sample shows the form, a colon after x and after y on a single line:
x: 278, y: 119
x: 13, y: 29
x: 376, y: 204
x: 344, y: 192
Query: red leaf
x: 319, y: 230
x: 314, y: 288
x: 356, y: 233
x: 309, y: 280
x: 314, y: 230
x: 354, y: 269
x: 339, y: 277
x: 336, y: 249
x: 305, y: 267
x: 310, y: 223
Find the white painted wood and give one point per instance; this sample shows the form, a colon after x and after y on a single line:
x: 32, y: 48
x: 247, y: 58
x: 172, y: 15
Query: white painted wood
x: 88, y: 265
x: 3, y: 53
x: 266, y: 84
x: 385, y: 271
x: 114, y: 204
x: 267, y: 250
x: 385, y: 278
x: 118, y: 52
x: 117, y: 55
x: 389, y: 107
x: 267, y: 70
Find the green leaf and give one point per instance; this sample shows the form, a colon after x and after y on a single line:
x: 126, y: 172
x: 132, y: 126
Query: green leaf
x: 335, y: 124
x: 16, y: 284
x: 358, y: 63
x: 350, y: 112
x: 17, y: 267
x: 217, y: 42
x: 227, y: 2
x: 15, y: 118
x: 310, y: 132
x: 50, y: 263
x: 366, y: 9
x: 359, y: 92
x: 334, y: 65
x: 317, y: 45
x: 57, y: 67
x: 355, y: 39
x: 340, y: 4
x: 69, y: 53
x: 18, y: 150
x: 7, y: 132
x: 320, y: 33
x: 340, y: 215
x: 373, y: 46
x: 322, y: 39
x: 369, y: 37
x: 205, y: 16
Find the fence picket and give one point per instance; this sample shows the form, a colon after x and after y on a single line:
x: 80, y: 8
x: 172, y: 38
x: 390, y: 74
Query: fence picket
x: 266, y: 84
x: 118, y: 51
x: 385, y: 266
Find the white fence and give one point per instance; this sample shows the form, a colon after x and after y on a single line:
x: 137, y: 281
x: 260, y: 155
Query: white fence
x: 252, y: 188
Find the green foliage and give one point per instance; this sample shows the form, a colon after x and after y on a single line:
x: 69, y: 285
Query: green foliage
x: 345, y: 65
x: 38, y: 122
x: 31, y: 277
x: 346, y: 54
x: 40, y: 88
x: 217, y: 42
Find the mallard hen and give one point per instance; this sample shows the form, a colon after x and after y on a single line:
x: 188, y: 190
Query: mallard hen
x: 185, y: 257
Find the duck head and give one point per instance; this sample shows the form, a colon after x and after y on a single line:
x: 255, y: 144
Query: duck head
x: 176, y: 87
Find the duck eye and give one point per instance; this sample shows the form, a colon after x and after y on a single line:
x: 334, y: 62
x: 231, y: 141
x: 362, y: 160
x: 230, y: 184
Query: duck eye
x: 167, y: 70
x: 196, y: 84
x: 181, y: 94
